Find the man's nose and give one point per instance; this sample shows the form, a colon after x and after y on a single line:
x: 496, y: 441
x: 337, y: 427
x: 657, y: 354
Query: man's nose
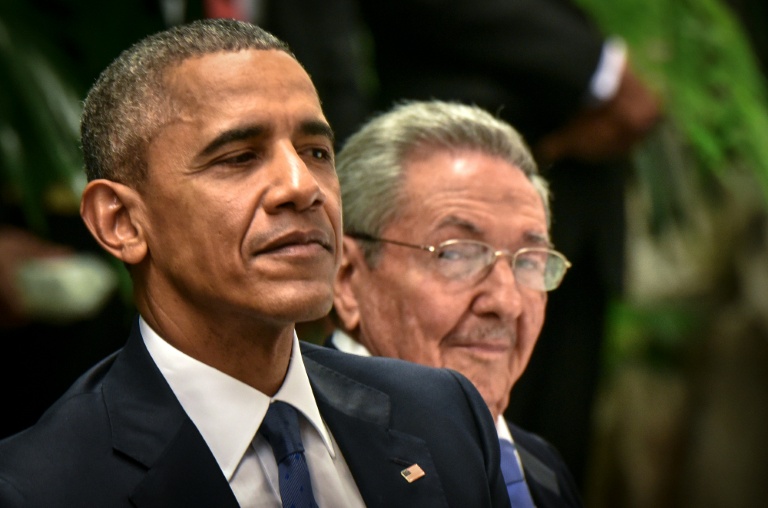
x: 293, y: 184
x: 498, y: 292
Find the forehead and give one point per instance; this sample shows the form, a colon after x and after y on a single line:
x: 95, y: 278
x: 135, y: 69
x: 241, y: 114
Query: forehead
x: 220, y: 95
x: 227, y: 82
x: 456, y: 186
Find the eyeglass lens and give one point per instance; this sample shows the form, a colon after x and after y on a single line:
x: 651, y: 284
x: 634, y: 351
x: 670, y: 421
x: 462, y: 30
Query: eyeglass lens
x: 535, y: 268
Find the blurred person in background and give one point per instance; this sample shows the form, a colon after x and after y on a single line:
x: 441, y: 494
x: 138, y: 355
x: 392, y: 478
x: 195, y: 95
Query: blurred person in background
x: 57, y: 290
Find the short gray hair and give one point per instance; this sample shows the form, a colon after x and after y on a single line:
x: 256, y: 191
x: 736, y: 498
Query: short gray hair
x: 370, y: 164
x: 130, y: 100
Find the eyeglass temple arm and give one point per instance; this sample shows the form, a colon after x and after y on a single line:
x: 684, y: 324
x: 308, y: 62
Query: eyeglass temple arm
x: 370, y: 238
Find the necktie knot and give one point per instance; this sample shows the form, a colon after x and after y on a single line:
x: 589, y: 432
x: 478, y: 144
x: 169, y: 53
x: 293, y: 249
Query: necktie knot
x: 280, y: 428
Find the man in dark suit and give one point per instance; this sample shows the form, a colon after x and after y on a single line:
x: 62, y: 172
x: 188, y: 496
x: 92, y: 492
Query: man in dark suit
x: 448, y: 262
x: 211, y: 176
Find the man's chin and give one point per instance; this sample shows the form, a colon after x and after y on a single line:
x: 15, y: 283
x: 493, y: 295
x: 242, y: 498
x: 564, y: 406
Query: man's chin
x: 494, y: 385
x: 311, y: 304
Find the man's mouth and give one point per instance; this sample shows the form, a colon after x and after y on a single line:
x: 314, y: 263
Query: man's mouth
x: 298, y: 242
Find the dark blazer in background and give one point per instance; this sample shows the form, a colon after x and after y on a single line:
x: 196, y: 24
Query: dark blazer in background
x: 119, y: 437
x: 530, y: 61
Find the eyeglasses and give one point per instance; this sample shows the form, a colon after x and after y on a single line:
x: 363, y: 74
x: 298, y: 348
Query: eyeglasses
x: 538, y: 268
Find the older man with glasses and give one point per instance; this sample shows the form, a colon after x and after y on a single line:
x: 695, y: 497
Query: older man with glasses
x: 447, y: 262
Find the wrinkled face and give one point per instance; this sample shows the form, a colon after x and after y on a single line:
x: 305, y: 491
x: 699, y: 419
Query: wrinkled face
x: 485, y: 329
x: 242, y: 206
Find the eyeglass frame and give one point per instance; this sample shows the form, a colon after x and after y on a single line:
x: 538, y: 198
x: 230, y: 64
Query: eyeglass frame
x: 497, y: 253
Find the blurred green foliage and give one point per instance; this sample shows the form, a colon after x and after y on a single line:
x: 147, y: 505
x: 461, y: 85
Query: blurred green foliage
x: 653, y: 335
x: 696, y: 54
x: 41, y: 166
x: 40, y: 161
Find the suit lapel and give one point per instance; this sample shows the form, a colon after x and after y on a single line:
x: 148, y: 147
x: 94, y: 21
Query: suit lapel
x: 359, y: 419
x: 185, y: 475
x: 541, y: 479
x: 150, y: 426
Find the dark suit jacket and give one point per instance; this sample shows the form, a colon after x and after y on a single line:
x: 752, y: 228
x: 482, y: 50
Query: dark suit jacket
x: 548, y: 478
x: 119, y: 437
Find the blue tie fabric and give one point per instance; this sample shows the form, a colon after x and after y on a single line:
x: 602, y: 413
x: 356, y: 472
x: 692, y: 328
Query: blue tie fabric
x: 281, y: 429
x: 519, y: 495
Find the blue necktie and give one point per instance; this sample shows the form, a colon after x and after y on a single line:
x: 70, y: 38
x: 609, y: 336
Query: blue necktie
x: 519, y: 496
x: 281, y: 429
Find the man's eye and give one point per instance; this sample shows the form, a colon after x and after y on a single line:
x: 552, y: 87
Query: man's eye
x: 321, y: 154
x: 531, y: 263
x: 239, y: 159
x: 451, y: 255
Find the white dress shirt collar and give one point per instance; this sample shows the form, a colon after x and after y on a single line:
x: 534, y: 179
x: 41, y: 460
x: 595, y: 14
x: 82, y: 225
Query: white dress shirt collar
x: 226, y: 411
x: 344, y: 342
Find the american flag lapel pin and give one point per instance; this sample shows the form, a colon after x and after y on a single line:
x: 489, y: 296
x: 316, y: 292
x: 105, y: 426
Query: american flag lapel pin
x: 412, y: 473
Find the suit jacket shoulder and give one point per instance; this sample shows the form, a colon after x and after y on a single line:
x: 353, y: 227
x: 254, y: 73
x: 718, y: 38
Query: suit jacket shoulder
x: 117, y: 437
x: 548, y: 477
x: 388, y: 415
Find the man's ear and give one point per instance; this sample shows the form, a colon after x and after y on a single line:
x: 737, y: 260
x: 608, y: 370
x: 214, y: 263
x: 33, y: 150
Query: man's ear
x: 345, y: 302
x: 112, y: 212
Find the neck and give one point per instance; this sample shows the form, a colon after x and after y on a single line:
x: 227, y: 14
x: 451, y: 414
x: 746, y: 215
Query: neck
x: 254, y: 353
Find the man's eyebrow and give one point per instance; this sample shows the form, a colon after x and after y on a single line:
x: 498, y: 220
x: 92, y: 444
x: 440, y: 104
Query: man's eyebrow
x: 233, y: 135
x: 309, y: 128
x: 529, y: 237
x: 317, y: 128
x: 537, y: 238
x: 453, y: 221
